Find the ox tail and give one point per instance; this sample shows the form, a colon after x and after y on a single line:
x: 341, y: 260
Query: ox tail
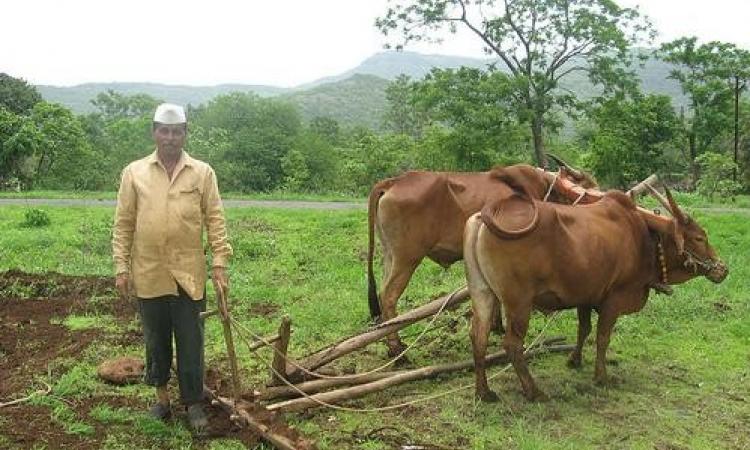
x: 372, y: 212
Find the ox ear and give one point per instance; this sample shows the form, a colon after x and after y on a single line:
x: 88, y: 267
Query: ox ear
x: 667, y: 227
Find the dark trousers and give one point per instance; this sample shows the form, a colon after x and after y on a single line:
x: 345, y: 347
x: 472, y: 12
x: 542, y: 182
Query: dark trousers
x: 161, y: 318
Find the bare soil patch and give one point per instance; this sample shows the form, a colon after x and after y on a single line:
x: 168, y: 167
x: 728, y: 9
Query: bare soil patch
x: 32, y: 338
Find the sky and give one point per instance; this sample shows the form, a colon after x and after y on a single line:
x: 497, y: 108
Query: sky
x: 269, y: 42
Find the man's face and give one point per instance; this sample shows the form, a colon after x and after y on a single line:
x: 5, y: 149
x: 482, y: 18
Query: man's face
x: 169, y: 138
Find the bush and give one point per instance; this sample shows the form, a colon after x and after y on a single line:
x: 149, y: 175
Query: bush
x: 35, y: 218
x: 716, y: 176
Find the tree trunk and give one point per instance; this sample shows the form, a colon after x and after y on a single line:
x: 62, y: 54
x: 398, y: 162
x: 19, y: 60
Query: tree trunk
x: 736, y: 125
x: 537, y: 124
x: 693, y: 165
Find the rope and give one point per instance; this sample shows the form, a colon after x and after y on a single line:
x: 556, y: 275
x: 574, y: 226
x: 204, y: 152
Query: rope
x: 552, y: 185
x: 583, y: 194
x: 359, y: 375
x: 390, y: 407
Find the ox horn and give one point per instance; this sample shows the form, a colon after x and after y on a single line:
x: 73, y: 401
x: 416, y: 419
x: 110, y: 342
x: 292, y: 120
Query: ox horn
x: 576, y: 173
x: 660, y: 198
x: 676, y: 211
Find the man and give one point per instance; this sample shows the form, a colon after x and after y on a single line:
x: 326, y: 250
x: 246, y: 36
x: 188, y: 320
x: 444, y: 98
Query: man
x: 163, y: 202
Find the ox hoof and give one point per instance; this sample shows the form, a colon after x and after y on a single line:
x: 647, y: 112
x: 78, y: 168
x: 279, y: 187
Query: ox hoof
x: 536, y: 396
x: 487, y: 396
x: 402, y: 362
x: 601, y: 380
x: 574, y: 362
x: 396, y: 349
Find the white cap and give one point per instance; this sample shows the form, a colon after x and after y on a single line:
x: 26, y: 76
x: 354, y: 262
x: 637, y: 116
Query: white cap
x: 169, y: 114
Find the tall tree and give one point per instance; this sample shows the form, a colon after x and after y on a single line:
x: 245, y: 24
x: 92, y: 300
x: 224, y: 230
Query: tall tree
x: 402, y: 117
x: 539, y: 42
x: 16, y: 95
x: 475, y: 107
x: 261, y: 132
x: 629, y: 138
x: 738, y: 73
x: 115, y: 105
x: 702, y: 73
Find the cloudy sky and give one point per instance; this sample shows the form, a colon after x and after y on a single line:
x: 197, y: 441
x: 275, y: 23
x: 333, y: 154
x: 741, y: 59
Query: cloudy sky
x: 278, y: 42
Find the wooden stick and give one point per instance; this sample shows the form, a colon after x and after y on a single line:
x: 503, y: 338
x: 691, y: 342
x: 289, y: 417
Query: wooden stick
x: 411, y: 375
x: 348, y: 345
x: 264, y: 342
x: 315, y: 386
x: 226, y: 323
x: 642, y: 187
x: 280, y: 355
x: 240, y: 414
x: 18, y: 401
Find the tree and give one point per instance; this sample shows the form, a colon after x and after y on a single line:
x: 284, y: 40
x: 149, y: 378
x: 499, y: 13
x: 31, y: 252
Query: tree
x: 715, y: 171
x: 402, y: 117
x: 476, y: 108
x: 539, y: 42
x: 114, y: 105
x: 19, y: 139
x: 701, y: 71
x: 326, y: 127
x: 261, y: 132
x: 738, y: 72
x: 47, y: 148
x: 629, y: 138
x: 63, y: 157
x: 369, y: 157
x: 16, y: 95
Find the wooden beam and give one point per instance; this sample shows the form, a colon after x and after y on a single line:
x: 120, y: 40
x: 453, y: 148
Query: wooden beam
x: 349, y: 393
x: 331, y: 353
x: 280, y: 354
x: 642, y: 188
x: 238, y: 413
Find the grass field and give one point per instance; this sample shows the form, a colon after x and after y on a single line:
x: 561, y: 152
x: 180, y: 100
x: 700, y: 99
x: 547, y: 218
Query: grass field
x: 111, y: 195
x: 681, y: 366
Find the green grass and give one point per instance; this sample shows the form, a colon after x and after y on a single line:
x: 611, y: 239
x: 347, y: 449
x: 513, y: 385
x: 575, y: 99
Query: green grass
x: 111, y: 195
x: 680, y: 379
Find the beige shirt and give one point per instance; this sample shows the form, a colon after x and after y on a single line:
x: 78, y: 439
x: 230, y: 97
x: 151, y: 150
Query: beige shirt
x: 158, y: 227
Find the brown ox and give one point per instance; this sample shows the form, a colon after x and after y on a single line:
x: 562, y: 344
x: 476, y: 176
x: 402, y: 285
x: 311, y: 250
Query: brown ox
x: 422, y: 214
x: 604, y: 256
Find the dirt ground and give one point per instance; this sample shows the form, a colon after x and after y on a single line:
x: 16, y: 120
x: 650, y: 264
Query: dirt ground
x: 32, y: 339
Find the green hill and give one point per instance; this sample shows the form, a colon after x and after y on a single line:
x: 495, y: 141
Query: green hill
x: 357, y: 100
x: 356, y: 96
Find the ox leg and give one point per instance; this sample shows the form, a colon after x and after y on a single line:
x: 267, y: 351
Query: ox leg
x: 584, y: 328
x: 604, y: 327
x: 484, y: 306
x: 517, y: 323
x: 397, y: 278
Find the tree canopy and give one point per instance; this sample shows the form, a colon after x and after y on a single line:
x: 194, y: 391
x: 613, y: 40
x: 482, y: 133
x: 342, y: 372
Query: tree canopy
x: 539, y: 42
x: 16, y: 95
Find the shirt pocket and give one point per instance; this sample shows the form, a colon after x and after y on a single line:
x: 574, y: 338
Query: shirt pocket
x: 189, y: 201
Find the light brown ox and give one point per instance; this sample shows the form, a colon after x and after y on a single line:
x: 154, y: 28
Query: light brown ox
x: 603, y: 256
x: 422, y: 214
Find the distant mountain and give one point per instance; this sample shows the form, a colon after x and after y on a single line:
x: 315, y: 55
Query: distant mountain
x: 391, y: 64
x: 78, y: 98
x: 355, y: 97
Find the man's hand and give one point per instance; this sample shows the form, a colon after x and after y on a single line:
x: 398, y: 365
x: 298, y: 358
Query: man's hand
x: 121, y: 282
x: 220, y: 279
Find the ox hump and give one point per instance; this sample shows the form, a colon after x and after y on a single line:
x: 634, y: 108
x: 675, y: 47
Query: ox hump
x: 622, y: 198
x: 512, y: 217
